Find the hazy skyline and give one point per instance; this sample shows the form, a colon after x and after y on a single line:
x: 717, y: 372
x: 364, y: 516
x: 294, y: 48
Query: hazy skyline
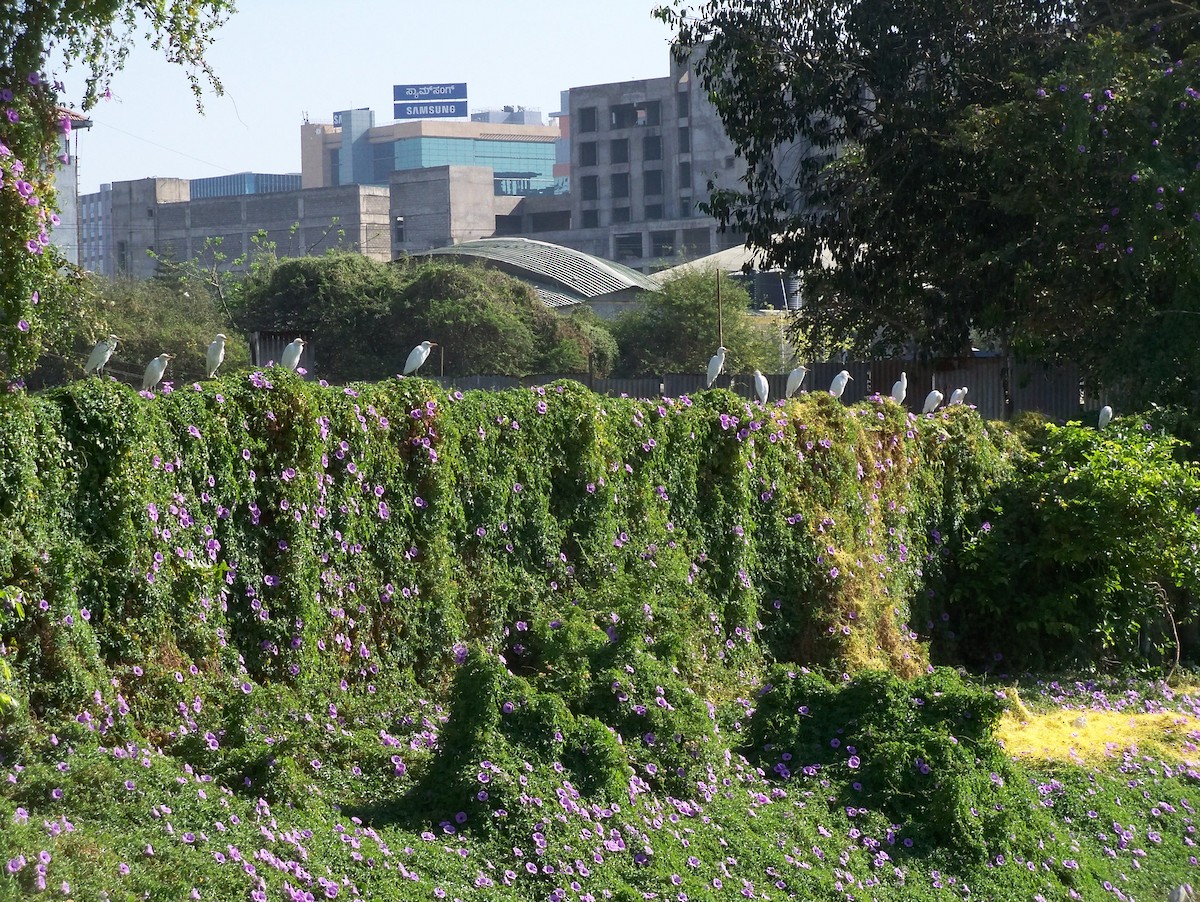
x: 281, y: 59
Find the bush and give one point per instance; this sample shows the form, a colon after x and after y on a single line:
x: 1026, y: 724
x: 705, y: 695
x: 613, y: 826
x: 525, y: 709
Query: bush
x: 1085, y: 556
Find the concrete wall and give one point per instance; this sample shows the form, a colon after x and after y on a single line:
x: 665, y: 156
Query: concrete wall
x: 444, y: 205
x: 353, y: 217
x: 134, y: 223
x: 633, y: 176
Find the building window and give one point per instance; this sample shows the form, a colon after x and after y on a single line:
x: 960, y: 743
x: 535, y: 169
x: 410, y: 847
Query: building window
x: 591, y: 219
x: 652, y: 181
x: 683, y: 104
x: 685, y: 176
x: 652, y: 147
x: 685, y: 206
x: 621, y: 214
x: 587, y: 154
x: 618, y: 150
x: 588, y: 187
x: 587, y: 119
x: 627, y: 247
x: 335, y: 167
x: 654, y: 211
x: 634, y: 115
x: 662, y: 244
x: 620, y: 184
x: 685, y: 139
x: 399, y: 229
x: 697, y: 241
x: 508, y: 224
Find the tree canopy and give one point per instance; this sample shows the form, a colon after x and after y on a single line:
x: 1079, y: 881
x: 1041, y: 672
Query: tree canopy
x: 36, y: 304
x: 1022, y: 171
x: 675, y: 330
x: 369, y: 316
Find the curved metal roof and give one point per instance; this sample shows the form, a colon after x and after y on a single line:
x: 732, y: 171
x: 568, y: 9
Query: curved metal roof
x: 571, y: 271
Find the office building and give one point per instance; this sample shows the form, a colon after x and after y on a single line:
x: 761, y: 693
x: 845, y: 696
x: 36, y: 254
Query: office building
x: 130, y: 226
x: 356, y: 151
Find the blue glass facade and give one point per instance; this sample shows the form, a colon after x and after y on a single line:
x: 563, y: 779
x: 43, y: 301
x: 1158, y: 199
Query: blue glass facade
x: 511, y: 161
x: 244, y: 183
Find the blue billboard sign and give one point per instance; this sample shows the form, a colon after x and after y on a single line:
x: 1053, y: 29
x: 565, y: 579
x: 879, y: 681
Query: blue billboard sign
x: 430, y: 93
x: 445, y: 100
x: 452, y: 109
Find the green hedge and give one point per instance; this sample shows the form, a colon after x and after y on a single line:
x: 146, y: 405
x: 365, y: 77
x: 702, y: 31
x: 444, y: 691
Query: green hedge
x: 273, y: 531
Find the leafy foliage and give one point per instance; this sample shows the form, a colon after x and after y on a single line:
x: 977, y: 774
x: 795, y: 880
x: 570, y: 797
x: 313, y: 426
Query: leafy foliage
x: 1088, y: 555
x: 370, y: 315
x: 675, y: 330
x: 38, y: 305
x: 1015, y: 172
x: 377, y: 637
x: 149, y: 317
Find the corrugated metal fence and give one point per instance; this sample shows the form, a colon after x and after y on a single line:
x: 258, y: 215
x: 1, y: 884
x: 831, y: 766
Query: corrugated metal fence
x: 992, y: 388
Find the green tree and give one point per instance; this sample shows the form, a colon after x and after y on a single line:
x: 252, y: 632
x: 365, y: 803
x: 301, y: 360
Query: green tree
x: 675, y: 330
x: 941, y: 172
x: 153, y: 316
x: 366, y: 317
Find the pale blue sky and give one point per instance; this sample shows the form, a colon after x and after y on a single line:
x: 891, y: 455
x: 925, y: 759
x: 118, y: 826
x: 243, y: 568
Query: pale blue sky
x: 281, y: 58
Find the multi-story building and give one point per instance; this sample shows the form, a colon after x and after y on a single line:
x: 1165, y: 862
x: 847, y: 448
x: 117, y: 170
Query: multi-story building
x: 639, y: 154
x: 138, y: 223
x: 356, y: 151
x: 618, y: 175
x: 642, y: 155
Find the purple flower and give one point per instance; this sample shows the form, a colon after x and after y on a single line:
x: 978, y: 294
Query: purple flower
x: 23, y: 325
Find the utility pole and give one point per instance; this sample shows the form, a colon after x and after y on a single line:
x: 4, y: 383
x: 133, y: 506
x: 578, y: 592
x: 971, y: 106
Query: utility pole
x: 720, y: 322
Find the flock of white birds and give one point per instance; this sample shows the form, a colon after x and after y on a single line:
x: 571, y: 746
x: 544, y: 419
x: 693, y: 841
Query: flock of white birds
x: 157, y: 368
x: 290, y: 359
x: 933, y: 400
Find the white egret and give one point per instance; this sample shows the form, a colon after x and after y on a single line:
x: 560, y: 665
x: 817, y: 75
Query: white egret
x: 154, y: 371
x: 103, y: 350
x: 900, y: 389
x: 716, y: 363
x: 290, y: 358
x: 932, y: 400
x: 839, y: 383
x: 418, y: 356
x: 795, y: 379
x: 216, y: 354
x: 958, y: 396
x: 760, y: 387
x: 1105, y: 416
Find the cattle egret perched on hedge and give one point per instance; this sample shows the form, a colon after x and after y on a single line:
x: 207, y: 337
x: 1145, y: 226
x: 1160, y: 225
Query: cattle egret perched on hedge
x: 932, y: 400
x: 716, y: 363
x: 1105, y: 416
x: 290, y: 358
x: 839, y: 383
x: 900, y: 389
x: 958, y: 396
x: 216, y: 353
x: 98, y: 359
x: 795, y: 379
x: 154, y: 371
x: 417, y: 356
x: 760, y: 387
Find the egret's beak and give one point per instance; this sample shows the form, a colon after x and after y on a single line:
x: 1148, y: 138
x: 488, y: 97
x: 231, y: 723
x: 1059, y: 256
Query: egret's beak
x: 433, y: 344
x: 848, y: 376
